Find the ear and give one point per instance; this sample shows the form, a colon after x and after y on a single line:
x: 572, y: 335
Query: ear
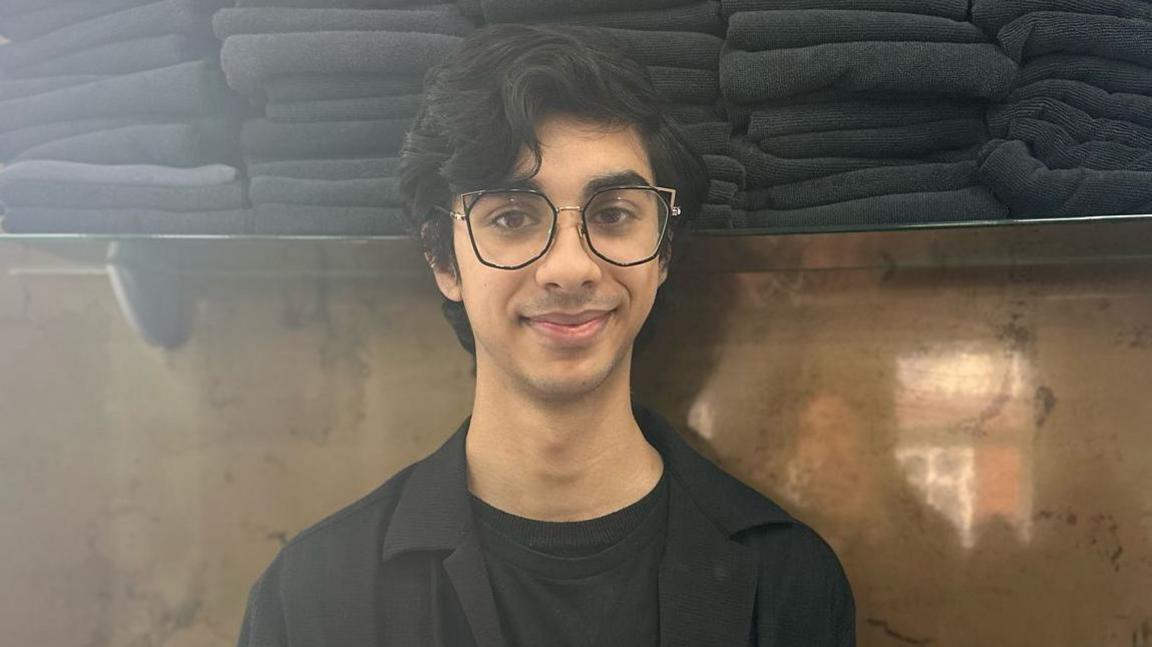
x: 446, y: 280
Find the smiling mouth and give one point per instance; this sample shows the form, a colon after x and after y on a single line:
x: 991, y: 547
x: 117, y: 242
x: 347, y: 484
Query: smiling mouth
x: 567, y: 335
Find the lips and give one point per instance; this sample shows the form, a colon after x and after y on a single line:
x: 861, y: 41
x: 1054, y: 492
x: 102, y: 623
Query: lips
x: 570, y: 319
x: 571, y: 334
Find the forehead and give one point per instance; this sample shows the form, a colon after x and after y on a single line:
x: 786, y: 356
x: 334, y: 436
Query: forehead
x: 576, y: 156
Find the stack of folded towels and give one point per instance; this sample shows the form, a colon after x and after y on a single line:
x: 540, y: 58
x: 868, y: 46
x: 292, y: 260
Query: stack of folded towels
x: 1074, y: 138
x: 339, y: 85
x: 114, y: 118
x: 863, y: 115
x: 683, y: 68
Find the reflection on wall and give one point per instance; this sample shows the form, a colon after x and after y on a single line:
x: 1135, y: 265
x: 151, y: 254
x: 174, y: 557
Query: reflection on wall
x: 963, y: 417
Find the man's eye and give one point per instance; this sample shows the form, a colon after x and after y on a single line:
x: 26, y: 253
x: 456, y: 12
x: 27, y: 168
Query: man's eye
x: 613, y: 216
x: 511, y: 220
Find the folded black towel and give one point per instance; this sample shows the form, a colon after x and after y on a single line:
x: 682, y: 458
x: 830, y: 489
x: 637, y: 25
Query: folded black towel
x: 695, y: 113
x: 780, y: 29
x: 295, y: 220
x: 15, y: 142
x: 154, y: 19
x: 326, y: 169
x: 48, y: 17
x: 1048, y: 32
x: 784, y: 119
x: 980, y: 70
x: 337, y: 4
x: 764, y: 169
x: 684, y: 85
x: 35, y: 220
x: 954, y: 9
x: 435, y: 19
x: 319, y: 87
x: 267, y: 140
x: 723, y: 167
x: 16, y: 88
x: 910, y: 141
x: 1089, y: 98
x: 86, y: 195
x: 124, y: 57
x: 133, y: 174
x: 185, y: 90
x: 248, y: 59
x: 712, y: 216
x: 709, y: 138
x: 1078, y: 123
x: 518, y: 10
x: 344, y: 109
x: 1032, y: 190
x: 1108, y: 74
x: 721, y: 191
x: 368, y: 192
x: 991, y: 15
x: 865, y: 183
x: 1058, y: 149
x: 702, y: 17
x: 671, y: 49
x: 130, y: 141
x: 970, y: 203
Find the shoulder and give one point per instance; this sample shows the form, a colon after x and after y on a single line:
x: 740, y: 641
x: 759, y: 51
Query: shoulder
x: 343, y: 538
x: 804, y: 590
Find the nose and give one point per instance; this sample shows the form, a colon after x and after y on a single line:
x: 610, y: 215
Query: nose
x: 568, y: 263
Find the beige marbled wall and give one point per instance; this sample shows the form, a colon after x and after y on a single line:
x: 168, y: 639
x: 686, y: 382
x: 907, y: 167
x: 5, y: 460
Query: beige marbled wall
x: 974, y: 442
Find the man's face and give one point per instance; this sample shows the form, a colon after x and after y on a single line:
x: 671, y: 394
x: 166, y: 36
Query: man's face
x: 514, y: 348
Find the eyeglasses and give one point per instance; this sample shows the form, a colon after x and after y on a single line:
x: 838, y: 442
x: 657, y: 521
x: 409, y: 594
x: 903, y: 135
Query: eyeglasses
x: 511, y: 228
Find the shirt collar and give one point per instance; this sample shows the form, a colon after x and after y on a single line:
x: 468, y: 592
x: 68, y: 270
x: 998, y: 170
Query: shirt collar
x: 434, y: 511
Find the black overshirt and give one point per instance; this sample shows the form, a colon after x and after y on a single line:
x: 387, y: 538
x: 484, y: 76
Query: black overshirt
x: 404, y: 567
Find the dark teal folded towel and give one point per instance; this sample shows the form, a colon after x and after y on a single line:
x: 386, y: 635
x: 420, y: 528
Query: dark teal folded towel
x: 864, y: 183
x: 780, y: 29
x: 1051, y: 32
x: 1089, y: 98
x: 124, y: 57
x: 1058, y: 149
x: 703, y: 17
x: 267, y: 140
x: 954, y: 9
x: 909, y: 141
x: 249, y: 59
x: 436, y: 19
x: 326, y: 169
x: 185, y: 90
x: 38, y: 220
x: 671, y: 49
x: 962, y: 69
x: 368, y: 192
x: 154, y: 19
x: 991, y: 15
x: 194, y: 143
x: 972, y: 203
x: 1033, y: 190
x: 518, y: 10
x: 1104, y: 73
x: 46, y: 18
x: 319, y: 87
x: 852, y: 113
x: 1078, y: 123
x: 344, y: 109
x: 83, y: 195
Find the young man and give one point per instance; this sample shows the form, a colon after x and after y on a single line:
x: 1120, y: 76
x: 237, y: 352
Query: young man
x: 546, y: 183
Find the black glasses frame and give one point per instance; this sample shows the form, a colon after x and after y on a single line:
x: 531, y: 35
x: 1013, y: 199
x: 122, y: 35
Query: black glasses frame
x: 470, y: 198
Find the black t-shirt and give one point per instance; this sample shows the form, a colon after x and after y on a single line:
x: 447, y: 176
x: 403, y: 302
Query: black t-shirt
x: 578, y: 583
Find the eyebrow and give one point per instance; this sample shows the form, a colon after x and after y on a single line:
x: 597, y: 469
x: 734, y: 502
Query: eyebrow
x: 606, y: 181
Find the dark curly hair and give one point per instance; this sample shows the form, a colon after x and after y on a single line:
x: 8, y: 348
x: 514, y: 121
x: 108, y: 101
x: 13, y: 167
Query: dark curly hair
x: 480, y: 111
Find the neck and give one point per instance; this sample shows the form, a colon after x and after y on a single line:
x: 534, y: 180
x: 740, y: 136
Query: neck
x: 553, y: 460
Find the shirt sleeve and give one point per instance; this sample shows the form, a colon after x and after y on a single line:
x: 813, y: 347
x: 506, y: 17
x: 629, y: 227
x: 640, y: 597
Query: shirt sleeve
x: 263, y: 624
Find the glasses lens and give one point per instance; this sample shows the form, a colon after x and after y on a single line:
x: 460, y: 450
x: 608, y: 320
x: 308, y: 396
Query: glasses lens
x: 625, y: 225
x: 510, y: 228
